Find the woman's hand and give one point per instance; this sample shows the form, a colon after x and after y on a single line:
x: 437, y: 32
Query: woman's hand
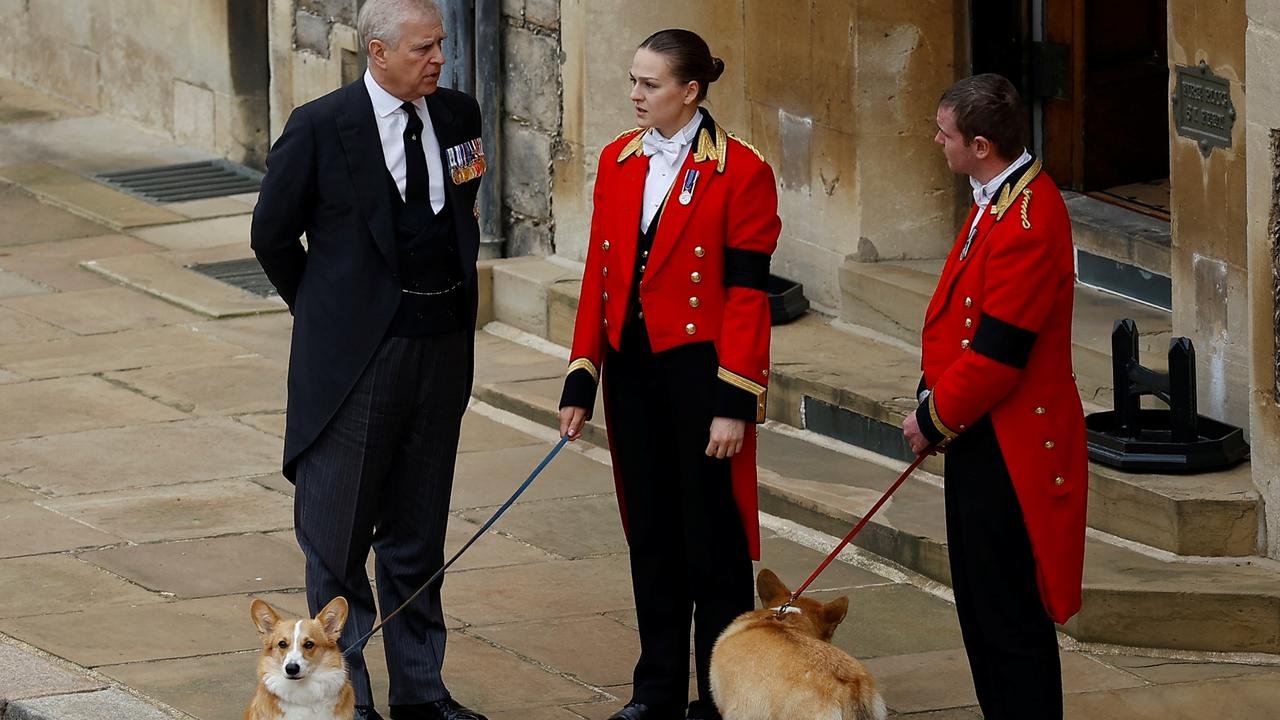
x: 726, y: 437
x: 571, y: 421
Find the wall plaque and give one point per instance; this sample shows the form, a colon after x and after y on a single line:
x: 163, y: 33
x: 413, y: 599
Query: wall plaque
x: 1202, y: 107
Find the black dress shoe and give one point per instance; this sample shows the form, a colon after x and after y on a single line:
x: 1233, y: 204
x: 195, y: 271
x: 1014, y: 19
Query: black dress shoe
x: 640, y: 711
x: 446, y: 709
x: 366, y: 712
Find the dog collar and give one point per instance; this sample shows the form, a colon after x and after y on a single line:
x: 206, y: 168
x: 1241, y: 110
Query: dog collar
x: 787, y: 609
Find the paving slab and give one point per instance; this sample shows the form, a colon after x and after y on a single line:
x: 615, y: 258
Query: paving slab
x: 82, y: 196
x: 569, y: 527
x: 115, y: 351
x: 30, y: 221
x: 594, y: 649
x: 537, y: 399
x: 237, y: 564
x: 122, y: 634
x: 877, y: 625
x: 270, y: 423
x: 480, y: 433
x: 10, y: 492
x: 21, y: 104
x: 473, y: 667
x: 20, y: 328
x: 488, y: 479
x: 793, y: 563
x: 185, y: 451
x: 57, y: 264
x: 11, y: 377
x: 266, y: 334
x: 213, y: 687
x: 1246, y: 698
x: 1164, y: 671
x: 235, y: 386
x: 491, y: 550
x: 88, y: 312
x: 499, y: 360
x: 560, y: 588
x: 29, y: 676
x: 15, y: 285
x: 167, y: 277
x: 76, y: 143
x: 28, y: 529
x: 210, y: 207
x: 199, y: 234
x: 175, y: 512
x: 52, y: 584
x: 110, y: 704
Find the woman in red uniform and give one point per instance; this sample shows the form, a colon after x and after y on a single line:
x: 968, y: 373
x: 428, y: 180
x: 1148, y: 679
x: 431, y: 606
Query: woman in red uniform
x: 675, y: 314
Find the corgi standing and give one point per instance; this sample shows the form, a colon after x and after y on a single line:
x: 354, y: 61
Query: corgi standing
x: 771, y: 666
x: 301, y: 673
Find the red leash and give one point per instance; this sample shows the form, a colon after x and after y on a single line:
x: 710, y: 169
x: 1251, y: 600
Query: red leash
x: 856, y: 528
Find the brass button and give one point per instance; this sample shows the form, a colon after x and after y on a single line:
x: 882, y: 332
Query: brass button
x: 606, y: 297
x: 606, y: 272
x: 1039, y: 411
x: 640, y: 314
x: 604, y: 245
x: 964, y: 344
x: 644, y: 254
x: 968, y: 302
x: 1073, y: 376
x: 694, y: 302
x: 963, y: 428
x: 1048, y: 444
x: 695, y: 277
x: 968, y: 322
x: 690, y: 328
x: 1058, y: 480
x: 765, y: 373
x: 642, y: 268
x: 606, y: 322
x: 699, y: 252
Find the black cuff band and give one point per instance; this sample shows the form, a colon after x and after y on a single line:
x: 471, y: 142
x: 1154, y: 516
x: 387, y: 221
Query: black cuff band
x: 579, y: 391
x: 1003, y: 342
x: 746, y: 268
x: 930, y: 431
x: 734, y: 402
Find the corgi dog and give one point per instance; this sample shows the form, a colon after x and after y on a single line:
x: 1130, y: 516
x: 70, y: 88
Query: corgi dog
x: 771, y: 666
x: 301, y: 674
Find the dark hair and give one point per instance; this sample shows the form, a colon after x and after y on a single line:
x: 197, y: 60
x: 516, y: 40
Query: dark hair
x: 988, y: 105
x: 689, y: 56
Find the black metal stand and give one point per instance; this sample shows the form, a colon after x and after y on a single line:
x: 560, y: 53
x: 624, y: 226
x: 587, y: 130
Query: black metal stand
x: 786, y: 300
x: 1173, y: 440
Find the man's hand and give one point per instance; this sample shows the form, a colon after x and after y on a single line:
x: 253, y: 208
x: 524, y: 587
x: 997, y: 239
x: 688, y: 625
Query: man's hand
x: 726, y: 437
x: 571, y: 421
x: 911, y: 431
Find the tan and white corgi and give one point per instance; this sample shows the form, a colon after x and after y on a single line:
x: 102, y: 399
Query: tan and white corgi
x: 301, y: 674
x: 771, y: 666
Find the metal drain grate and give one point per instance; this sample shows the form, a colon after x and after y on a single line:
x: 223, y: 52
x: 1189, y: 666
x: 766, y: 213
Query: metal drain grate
x: 245, y: 274
x: 188, y: 181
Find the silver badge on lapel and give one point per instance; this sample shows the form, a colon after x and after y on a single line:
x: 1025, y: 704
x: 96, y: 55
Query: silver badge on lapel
x: 466, y: 161
x: 686, y: 190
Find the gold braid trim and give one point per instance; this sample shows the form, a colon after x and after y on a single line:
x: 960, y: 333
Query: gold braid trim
x: 584, y: 364
x: 760, y: 391
x: 1026, y: 203
x: 1008, y: 196
x: 625, y: 133
x: 635, y: 147
x: 748, y: 146
x: 947, y: 432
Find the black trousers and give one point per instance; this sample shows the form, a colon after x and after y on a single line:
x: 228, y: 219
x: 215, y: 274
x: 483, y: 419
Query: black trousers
x: 380, y: 476
x: 1009, y: 638
x: 689, y: 556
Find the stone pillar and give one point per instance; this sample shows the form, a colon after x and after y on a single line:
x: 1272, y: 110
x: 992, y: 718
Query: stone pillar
x: 1262, y: 140
x: 1208, y: 260
x: 314, y: 49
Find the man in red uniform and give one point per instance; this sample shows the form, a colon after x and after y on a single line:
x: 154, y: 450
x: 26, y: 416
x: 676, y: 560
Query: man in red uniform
x: 999, y: 397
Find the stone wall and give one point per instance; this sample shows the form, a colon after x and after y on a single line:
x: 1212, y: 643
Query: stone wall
x: 1262, y: 140
x: 1209, y: 258
x: 839, y: 95
x: 193, y: 69
x: 314, y: 50
x: 531, y: 123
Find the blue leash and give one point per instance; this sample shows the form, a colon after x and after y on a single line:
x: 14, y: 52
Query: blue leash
x: 359, y: 644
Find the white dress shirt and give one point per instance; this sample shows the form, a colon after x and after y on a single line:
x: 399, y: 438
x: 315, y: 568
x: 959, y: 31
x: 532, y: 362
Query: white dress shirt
x: 982, y: 193
x: 392, y: 122
x: 663, y: 166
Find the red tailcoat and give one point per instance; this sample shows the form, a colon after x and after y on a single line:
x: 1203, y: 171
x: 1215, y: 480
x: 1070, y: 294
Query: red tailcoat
x: 688, y: 291
x: 997, y: 341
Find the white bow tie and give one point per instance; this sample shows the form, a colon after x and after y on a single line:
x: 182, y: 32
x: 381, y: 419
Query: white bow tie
x: 670, y: 148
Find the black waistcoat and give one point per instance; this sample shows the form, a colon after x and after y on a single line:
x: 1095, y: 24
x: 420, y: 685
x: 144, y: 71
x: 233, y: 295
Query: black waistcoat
x: 427, y: 255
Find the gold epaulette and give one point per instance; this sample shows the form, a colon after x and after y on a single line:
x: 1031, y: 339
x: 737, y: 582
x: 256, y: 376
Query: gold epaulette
x: 748, y: 146
x: 1010, y: 194
x: 709, y: 149
x: 635, y: 147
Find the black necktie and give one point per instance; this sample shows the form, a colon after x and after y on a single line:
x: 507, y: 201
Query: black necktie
x: 416, y: 181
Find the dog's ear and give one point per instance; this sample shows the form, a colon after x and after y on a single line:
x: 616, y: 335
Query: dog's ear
x: 772, y: 592
x: 832, y: 614
x: 333, y: 617
x: 264, y: 616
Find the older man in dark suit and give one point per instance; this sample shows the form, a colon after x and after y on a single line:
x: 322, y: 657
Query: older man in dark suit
x: 381, y: 176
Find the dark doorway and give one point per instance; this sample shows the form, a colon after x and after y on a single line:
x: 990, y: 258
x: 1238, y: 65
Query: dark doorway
x: 1095, y: 76
x: 250, y: 76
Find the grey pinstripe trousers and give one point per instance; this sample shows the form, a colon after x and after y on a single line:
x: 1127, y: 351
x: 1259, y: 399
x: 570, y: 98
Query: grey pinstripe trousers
x: 380, y: 476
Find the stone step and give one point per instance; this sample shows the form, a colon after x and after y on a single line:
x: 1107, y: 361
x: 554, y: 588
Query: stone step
x: 1130, y: 598
x: 857, y: 388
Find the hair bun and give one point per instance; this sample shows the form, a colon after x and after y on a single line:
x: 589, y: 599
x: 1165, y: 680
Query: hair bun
x: 717, y: 69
